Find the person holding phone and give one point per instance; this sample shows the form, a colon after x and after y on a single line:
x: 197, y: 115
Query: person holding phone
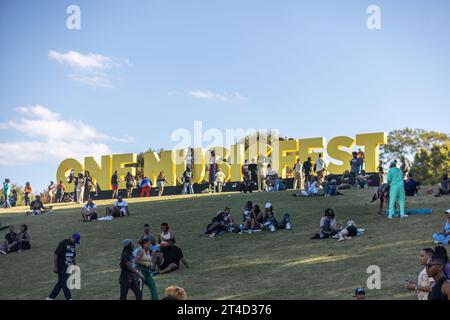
x: 424, y: 282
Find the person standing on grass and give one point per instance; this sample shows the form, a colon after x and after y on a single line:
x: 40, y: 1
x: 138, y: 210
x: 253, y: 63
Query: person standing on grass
x: 129, y: 275
x: 406, y: 167
x: 298, y: 176
x: 28, y: 190
x: 354, y: 168
x: 60, y: 189
x: 424, y: 282
x: 130, y: 183
x: 64, y: 257
x: 396, y: 191
x: 143, y: 261
x: 88, y: 184
x: 212, y: 170
x: 145, y: 186
x: 160, y: 183
x: 320, y: 167
x: 79, y: 187
x: 262, y: 172
x: 361, y: 158
x: 187, y: 181
x: 7, y: 192
x: 115, y: 184
x: 307, y: 170
x: 440, y: 290
x: 220, y: 181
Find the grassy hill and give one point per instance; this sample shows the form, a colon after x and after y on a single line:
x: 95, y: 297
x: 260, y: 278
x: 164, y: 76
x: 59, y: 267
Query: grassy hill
x: 280, y: 265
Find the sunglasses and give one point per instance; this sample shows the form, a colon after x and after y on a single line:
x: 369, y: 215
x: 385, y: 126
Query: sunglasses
x: 428, y: 266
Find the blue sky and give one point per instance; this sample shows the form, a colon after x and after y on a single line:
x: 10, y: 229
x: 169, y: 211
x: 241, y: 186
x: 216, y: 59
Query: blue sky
x: 138, y: 70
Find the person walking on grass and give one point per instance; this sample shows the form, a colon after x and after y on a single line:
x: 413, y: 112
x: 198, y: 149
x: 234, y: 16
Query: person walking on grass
x: 143, y: 261
x: 396, y: 191
x: 129, y: 275
x: 64, y: 257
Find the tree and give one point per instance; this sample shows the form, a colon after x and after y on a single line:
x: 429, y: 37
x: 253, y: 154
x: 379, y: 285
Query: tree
x: 429, y: 166
x: 409, y: 141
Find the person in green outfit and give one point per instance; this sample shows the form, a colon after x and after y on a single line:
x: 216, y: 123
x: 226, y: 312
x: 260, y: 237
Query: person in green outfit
x: 396, y: 190
x: 144, y: 265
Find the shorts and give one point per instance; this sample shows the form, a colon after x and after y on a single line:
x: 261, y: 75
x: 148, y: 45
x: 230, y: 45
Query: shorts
x: 115, y: 187
x: 37, y: 212
x: 165, y: 264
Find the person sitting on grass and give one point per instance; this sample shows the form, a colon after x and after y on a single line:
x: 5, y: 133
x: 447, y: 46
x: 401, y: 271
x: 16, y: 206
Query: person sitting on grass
x: 330, y: 189
x: 37, y: 207
x: 444, y: 186
x: 327, y: 225
x: 166, y: 234
x: 252, y: 219
x: 175, y: 293
x: 89, y: 211
x: 381, y: 194
x: 10, y: 241
x: 345, y: 181
x: 143, y: 260
x: 350, y: 230
x: 362, y: 180
x: 269, y: 220
x: 108, y: 215
x: 168, y: 259
x: 23, y: 241
x: 218, y: 225
x: 423, y: 285
x: 411, y: 187
x: 441, y: 288
x: 443, y: 237
x: 148, y: 235
x: 120, y: 208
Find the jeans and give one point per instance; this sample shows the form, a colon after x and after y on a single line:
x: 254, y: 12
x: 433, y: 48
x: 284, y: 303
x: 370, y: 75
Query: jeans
x: 187, y: 188
x: 61, y: 284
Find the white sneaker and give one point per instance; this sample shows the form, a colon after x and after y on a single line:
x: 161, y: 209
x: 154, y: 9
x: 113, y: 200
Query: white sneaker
x: 48, y: 298
x: 404, y: 216
x: 288, y: 226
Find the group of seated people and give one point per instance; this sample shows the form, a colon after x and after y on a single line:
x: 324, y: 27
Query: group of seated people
x: 254, y: 220
x: 120, y: 209
x: 329, y: 186
x: 16, y: 242
x: 329, y: 228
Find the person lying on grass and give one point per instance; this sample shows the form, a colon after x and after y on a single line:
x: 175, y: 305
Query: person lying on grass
x: 169, y: 257
x: 166, y: 234
x: 350, y: 230
x: 327, y: 225
x: 37, y: 207
x: 89, y: 211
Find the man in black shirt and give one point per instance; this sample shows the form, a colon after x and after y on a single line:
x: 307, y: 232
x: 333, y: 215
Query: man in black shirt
x: 307, y: 168
x: 10, y: 240
x: 171, y: 257
x: 128, y: 273
x: 65, y: 256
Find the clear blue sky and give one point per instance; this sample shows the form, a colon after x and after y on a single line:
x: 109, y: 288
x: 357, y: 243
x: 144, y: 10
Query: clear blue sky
x: 309, y: 68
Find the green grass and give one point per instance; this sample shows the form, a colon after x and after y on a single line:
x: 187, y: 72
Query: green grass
x: 280, y: 265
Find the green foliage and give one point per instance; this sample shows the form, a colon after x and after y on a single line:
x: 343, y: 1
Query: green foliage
x: 408, y: 142
x: 429, y: 166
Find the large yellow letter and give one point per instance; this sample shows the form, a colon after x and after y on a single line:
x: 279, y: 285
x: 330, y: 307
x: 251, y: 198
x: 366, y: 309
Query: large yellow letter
x: 284, y: 154
x: 334, y: 150
x: 307, y: 146
x: 64, y: 170
x: 236, y: 160
x: 118, y: 164
x: 371, y: 143
x: 100, y: 173
x: 153, y: 165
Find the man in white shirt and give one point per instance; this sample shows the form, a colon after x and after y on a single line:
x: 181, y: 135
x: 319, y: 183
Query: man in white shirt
x: 262, y: 172
x: 298, y: 175
x: 120, y: 207
x: 220, y: 180
x: 423, y: 284
x: 320, y: 167
x: 89, y: 211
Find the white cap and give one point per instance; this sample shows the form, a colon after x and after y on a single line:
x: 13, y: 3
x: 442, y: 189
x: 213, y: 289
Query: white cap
x: 447, y: 211
x: 268, y: 205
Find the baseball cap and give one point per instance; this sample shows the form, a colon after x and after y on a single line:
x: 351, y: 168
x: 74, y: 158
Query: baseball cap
x: 76, y: 236
x: 360, y: 291
x: 268, y: 205
x: 126, y: 242
x: 447, y: 211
